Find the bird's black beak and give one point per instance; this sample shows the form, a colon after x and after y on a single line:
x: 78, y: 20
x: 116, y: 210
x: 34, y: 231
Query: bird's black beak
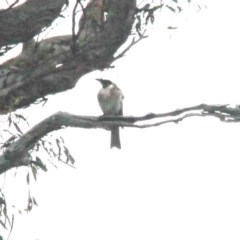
x: 100, y: 80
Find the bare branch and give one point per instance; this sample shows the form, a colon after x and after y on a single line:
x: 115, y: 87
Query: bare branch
x: 130, y: 46
x: 23, y: 22
x: 17, y: 153
x: 74, y: 37
x: 10, y: 7
x: 50, y: 66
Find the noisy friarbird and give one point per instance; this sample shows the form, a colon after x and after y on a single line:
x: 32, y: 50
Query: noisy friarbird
x: 110, y: 99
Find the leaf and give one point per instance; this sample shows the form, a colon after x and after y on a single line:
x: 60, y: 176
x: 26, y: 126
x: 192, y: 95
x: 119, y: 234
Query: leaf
x: 171, y: 8
x: 21, y: 117
x: 3, y: 224
x: 37, y: 146
x: 2, y: 201
x: 18, y: 129
x: 9, y: 120
x: 61, y: 139
x: 30, y: 204
x: 179, y: 8
x: 146, y: 7
x: 8, y: 132
x: 59, y: 147
x: 172, y: 28
x: 8, y: 142
x: 34, y: 172
x: 34, y: 201
x: 150, y: 16
x: 11, y: 227
x: 28, y: 180
x: 69, y: 156
x: 40, y: 164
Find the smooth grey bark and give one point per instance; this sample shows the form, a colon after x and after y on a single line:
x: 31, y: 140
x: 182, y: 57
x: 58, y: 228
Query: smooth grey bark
x: 21, y: 23
x: 17, y: 154
x: 56, y: 64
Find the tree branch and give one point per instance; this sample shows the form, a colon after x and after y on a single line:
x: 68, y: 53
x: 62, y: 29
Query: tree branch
x: 10, y: 6
x: 23, y: 22
x: 120, y: 55
x: 17, y: 153
x: 52, y: 66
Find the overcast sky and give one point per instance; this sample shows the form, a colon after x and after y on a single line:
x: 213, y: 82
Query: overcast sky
x: 171, y: 182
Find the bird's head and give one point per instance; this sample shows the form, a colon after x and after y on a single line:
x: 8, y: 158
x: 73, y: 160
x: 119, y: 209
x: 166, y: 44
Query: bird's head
x: 105, y: 83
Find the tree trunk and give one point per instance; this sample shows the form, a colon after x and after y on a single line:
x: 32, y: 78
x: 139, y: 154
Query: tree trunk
x: 56, y: 64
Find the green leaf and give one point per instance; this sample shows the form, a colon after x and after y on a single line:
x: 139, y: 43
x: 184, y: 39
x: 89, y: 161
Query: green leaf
x: 28, y: 179
x: 172, y: 28
x: 34, y: 201
x: 11, y: 226
x: 40, y: 164
x: 179, y: 8
x: 9, y: 121
x: 34, y: 172
x: 18, y: 128
x: 171, y: 8
x: 21, y: 117
x: 3, y: 224
x: 30, y: 204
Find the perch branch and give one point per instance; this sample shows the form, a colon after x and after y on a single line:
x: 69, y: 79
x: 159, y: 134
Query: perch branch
x: 17, y: 153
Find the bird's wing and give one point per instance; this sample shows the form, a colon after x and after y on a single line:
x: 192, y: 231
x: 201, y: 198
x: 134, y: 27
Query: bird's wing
x: 121, y: 97
x: 121, y: 110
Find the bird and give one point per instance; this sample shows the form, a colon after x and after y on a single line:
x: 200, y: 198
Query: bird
x: 110, y: 98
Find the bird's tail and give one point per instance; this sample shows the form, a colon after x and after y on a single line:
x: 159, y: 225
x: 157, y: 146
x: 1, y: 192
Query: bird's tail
x: 115, y: 138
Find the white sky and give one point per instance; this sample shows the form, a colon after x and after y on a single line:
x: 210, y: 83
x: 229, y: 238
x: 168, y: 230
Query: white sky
x: 171, y: 182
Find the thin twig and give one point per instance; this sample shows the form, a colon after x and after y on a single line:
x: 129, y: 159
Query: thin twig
x: 74, y: 37
x: 10, y: 7
x: 130, y: 45
x: 83, y: 18
x: 17, y: 153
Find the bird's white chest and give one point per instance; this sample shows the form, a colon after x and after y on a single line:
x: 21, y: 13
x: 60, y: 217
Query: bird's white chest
x: 110, y: 100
